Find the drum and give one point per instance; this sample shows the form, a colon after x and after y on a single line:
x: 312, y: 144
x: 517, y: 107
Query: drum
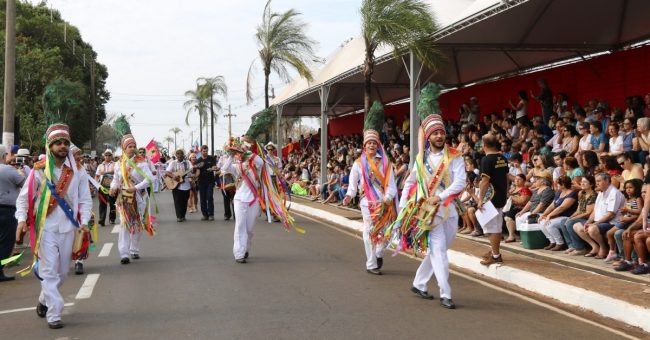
x: 106, y: 180
x: 229, y: 182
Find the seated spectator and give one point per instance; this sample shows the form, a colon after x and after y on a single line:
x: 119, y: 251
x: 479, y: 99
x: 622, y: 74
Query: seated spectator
x: 519, y: 197
x: 585, y: 137
x: 605, y: 214
x: 611, y: 167
x: 631, y: 170
x: 468, y: 200
x: 558, y: 159
x: 557, y: 213
x: 589, y: 162
x: 586, y: 201
x: 539, y: 166
x: 630, y: 213
x: 516, y: 167
x: 572, y: 169
x: 570, y: 140
x: 541, y: 198
x: 615, y: 139
x: 643, y: 137
x: 628, y: 134
x: 597, y: 140
x: 632, y: 242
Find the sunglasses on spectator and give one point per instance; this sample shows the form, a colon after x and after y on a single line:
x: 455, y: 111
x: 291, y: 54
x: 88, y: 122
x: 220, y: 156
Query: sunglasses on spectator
x: 621, y: 163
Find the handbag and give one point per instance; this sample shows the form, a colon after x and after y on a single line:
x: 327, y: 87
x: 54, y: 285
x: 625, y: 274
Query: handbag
x: 532, y: 218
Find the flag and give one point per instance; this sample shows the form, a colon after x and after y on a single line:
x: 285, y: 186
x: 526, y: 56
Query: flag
x: 152, y: 152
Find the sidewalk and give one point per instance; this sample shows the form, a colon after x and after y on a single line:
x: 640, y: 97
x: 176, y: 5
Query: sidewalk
x: 581, y: 282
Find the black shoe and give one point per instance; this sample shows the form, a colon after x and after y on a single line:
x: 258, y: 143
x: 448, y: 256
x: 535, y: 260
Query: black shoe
x: 183, y: 219
x: 204, y: 218
x: 125, y: 260
x: 101, y: 223
x: 380, y: 262
x: 78, y: 268
x: 246, y: 255
x: 179, y: 220
x: 422, y: 293
x: 112, y: 222
x: 210, y: 218
x: 135, y: 256
x: 226, y: 218
x: 41, y: 310
x: 374, y: 271
x: 447, y: 303
x: 240, y: 260
x: 55, y: 324
x: 4, y: 278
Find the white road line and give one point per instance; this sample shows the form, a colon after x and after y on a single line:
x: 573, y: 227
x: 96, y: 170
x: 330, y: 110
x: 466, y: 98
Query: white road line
x: 106, y: 249
x: 29, y: 309
x: 486, y: 284
x: 86, y: 289
x: 116, y: 229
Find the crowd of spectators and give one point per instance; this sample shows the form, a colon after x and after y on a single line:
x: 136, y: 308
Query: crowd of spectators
x: 577, y: 171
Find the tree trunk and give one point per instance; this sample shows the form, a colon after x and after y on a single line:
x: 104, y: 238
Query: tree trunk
x: 211, y: 125
x: 266, y: 88
x: 175, y: 148
x: 368, y: 68
x: 200, y: 129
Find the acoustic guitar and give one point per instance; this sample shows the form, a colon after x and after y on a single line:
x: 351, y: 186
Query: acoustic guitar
x: 172, y: 183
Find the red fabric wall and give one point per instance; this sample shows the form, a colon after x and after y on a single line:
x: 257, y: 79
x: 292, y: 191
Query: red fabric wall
x: 609, y: 77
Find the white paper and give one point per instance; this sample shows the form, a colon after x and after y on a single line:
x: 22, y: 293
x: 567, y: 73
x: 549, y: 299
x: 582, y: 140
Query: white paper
x: 486, y: 214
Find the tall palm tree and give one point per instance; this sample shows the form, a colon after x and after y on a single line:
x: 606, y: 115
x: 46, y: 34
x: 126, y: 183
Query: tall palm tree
x: 198, y: 103
x: 402, y: 25
x: 282, y: 43
x: 168, y: 140
x: 211, y: 88
x: 175, y: 131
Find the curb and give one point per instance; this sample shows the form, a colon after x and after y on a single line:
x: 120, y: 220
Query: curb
x: 606, y: 306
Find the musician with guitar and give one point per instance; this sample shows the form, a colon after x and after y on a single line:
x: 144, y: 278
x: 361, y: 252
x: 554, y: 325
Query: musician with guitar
x: 177, y: 179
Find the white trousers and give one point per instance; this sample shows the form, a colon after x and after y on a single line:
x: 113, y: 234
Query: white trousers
x: 436, y: 262
x: 372, y: 252
x: 244, y: 226
x: 127, y: 243
x: 55, y: 257
x: 551, y: 229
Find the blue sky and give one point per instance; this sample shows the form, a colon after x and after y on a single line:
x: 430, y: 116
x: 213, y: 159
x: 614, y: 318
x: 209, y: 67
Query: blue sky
x: 155, y: 50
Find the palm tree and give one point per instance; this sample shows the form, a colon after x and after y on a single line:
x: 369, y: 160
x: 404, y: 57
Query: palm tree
x: 282, y: 43
x: 196, y: 102
x: 175, y: 131
x: 210, y: 88
x: 401, y: 24
x: 168, y: 140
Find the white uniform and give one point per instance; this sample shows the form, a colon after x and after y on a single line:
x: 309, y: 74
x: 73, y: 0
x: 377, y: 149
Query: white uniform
x: 55, y: 250
x: 356, y: 181
x: 441, y: 237
x: 129, y: 240
x: 247, y: 208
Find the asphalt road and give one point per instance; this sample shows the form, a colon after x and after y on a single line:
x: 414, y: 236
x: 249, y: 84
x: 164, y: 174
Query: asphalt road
x: 312, y: 286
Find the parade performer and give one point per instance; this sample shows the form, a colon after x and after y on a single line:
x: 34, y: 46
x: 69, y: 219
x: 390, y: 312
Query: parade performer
x: 130, y: 183
x: 254, y: 191
x: 428, y: 219
x: 104, y: 175
x: 81, y: 246
x: 54, y: 202
x: 227, y: 185
x: 372, y: 176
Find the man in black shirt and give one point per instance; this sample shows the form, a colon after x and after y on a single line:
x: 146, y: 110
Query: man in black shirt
x: 206, y: 184
x: 494, y: 183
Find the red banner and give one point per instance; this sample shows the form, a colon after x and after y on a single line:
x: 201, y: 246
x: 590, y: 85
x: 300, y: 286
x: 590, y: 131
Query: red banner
x: 152, y: 152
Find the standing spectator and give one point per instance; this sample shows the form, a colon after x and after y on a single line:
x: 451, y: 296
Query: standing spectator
x: 494, y: 170
x: 606, y: 213
x: 10, y: 183
x: 521, y: 106
x: 545, y: 98
x: 206, y: 184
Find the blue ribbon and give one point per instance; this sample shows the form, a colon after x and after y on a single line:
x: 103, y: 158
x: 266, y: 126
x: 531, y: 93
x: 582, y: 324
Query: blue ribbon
x: 63, y: 204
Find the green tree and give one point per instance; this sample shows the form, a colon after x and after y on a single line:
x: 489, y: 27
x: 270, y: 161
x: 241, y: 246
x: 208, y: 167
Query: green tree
x: 196, y: 102
x: 168, y: 140
x: 211, y: 89
x: 175, y: 131
x: 282, y: 43
x: 42, y: 56
x: 401, y: 24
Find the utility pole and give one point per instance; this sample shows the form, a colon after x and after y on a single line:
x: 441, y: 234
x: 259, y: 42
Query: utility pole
x: 93, y: 109
x: 230, y: 115
x: 9, y: 110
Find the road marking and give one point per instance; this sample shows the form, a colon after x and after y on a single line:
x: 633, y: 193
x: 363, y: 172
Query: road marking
x: 116, y: 229
x: 86, y: 289
x: 29, y: 309
x: 106, y: 249
x: 489, y: 285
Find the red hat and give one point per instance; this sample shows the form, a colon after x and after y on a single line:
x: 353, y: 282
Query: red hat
x: 371, y: 134
x: 432, y: 123
x: 127, y: 140
x: 57, y: 132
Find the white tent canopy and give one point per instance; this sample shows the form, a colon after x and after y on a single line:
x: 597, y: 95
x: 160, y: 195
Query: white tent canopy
x: 494, y: 38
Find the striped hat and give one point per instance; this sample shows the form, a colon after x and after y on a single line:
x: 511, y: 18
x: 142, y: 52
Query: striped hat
x: 432, y: 123
x: 371, y: 134
x: 127, y: 140
x: 57, y: 132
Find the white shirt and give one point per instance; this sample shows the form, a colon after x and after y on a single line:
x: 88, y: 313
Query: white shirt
x: 609, y: 201
x: 553, y: 142
x: 176, y: 166
x: 244, y: 192
x: 584, y: 143
x: 357, y: 180
x: 140, y: 182
x: 457, y: 175
x: 105, y: 168
x: 514, y: 132
x: 616, y: 145
x: 77, y: 196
